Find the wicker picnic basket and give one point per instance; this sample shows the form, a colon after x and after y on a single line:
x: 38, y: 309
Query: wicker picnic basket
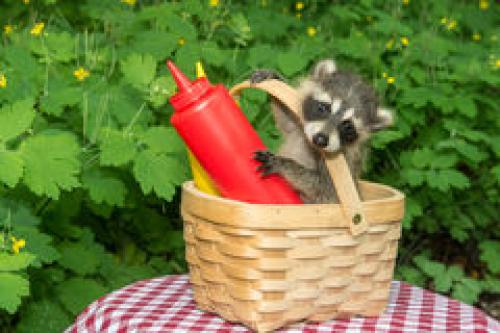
x: 267, y: 266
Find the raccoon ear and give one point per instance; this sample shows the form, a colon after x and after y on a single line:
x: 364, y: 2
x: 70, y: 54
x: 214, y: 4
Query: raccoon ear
x: 382, y: 120
x: 324, y: 68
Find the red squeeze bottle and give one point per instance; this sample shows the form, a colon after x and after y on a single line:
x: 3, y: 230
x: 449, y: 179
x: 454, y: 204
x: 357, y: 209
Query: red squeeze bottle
x: 224, y: 142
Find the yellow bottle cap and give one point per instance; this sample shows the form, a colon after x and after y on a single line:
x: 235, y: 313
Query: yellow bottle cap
x: 199, y: 70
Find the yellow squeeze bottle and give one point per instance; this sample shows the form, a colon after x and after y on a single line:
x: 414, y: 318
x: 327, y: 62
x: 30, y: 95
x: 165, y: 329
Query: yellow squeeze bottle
x: 200, y: 177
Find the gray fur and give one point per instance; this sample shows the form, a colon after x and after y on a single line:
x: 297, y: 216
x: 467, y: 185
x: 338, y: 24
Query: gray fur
x: 352, y: 115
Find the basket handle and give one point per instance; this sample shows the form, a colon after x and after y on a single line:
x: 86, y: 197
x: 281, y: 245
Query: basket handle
x: 337, y: 166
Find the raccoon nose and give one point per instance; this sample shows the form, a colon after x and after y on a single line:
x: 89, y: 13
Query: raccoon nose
x: 320, y: 140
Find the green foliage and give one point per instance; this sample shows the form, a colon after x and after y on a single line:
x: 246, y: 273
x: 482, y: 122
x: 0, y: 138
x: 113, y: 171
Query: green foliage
x: 90, y: 167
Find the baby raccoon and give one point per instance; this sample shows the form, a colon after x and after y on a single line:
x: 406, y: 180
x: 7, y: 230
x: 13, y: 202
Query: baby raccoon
x: 339, y: 112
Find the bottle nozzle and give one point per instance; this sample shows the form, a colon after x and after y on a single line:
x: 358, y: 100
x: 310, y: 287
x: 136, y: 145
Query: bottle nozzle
x: 183, y: 83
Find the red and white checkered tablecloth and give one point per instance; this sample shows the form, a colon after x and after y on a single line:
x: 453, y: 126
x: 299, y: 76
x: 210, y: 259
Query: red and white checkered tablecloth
x: 166, y: 305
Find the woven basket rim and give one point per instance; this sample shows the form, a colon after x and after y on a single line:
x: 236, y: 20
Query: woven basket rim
x: 389, y: 208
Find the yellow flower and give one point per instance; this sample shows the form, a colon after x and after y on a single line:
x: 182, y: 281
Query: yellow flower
x: 311, y: 31
x: 389, y: 44
x: 452, y: 25
x: 476, y: 36
x: 384, y: 74
x: 298, y: 15
x: 3, y: 81
x: 391, y: 79
x: 444, y: 20
x: 129, y: 2
x: 181, y: 41
x: 7, y: 29
x: 81, y: 74
x: 497, y: 63
x: 26, y: 2
x: 484, y: 4
x: 213, y: 3
x: 405, y: 41
x: 37, y: 29
x: 17, y: 244
x: 299, y: 5
x: 406, y: 2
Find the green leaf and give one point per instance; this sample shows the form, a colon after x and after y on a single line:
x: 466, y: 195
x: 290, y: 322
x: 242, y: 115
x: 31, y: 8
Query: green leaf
x: 466, y: 149
x: 12, y: 288
x: 81, y: 258
x: 15, y: 262
x: 37, y: 243
x: 412, y: 209
x: 291, y: 62
x: 117, y: 274
x: 117, y: 148
x: 16, y: 119
x: 138, y: 70
x: 76, y: 293
x: 443, y: 161
x: 57, y: 99
x: 186, y: 58
x: 159, y: 44
x: 180, y: 27
x: 413, y: 177
x: 442, y: 283
x: 238, y: 23
x: 429, y: 267
x: 11, y: 168
x: 24, y: 79
x: 158, y: 173
x: 104, y: 189
x: 51, y: 163
x: 43, y: 316
x: 161, y: 89
x: 162, y: 140
x: 466, y: 106
x: 61, y: 46
x: 455, y: 272
x: 261, y: 55
x: 447, y: 178
x: 356, y: 46
x: 422, y: 158
x: 213, y: 55
x: 490, y: 250
x: 383, y: 138
x: 467, y: 290
x: 496, y: 172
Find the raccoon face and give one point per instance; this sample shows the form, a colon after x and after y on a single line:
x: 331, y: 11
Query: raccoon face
x: 333, y: 120
x: 330, y: 125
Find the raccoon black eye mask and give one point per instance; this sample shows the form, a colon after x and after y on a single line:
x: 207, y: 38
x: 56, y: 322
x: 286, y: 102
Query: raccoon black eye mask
x: 316, y: 110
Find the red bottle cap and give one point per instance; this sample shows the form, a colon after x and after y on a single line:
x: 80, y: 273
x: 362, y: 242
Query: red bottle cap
x: 188, y: 91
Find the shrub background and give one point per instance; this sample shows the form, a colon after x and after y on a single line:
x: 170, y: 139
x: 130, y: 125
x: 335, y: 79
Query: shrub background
x: 90, y: 167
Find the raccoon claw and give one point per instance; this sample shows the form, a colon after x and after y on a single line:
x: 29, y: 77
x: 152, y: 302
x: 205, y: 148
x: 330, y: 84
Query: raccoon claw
x: 262, y: 156
x: 263, y: 75
x: 267, y: 159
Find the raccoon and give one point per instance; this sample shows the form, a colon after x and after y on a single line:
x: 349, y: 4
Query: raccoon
x: 339, y: 112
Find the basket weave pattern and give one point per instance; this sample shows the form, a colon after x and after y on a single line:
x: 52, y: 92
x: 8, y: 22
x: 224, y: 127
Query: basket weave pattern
x: 269, y: 278
x: 270, y: 265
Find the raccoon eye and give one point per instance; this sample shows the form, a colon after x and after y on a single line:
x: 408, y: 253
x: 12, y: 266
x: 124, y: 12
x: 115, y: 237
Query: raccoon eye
x: 347, y: 132
x: 324, y: 108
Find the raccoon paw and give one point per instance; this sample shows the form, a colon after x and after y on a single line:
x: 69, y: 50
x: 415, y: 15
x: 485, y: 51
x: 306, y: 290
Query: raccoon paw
x: 268, y: 161
x: 265, y: 74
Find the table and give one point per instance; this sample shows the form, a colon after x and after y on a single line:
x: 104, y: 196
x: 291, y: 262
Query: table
x: 166, y: 304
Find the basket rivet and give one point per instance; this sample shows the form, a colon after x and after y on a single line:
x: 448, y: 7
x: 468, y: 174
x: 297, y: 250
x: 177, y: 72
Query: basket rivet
x: 356, y: 219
